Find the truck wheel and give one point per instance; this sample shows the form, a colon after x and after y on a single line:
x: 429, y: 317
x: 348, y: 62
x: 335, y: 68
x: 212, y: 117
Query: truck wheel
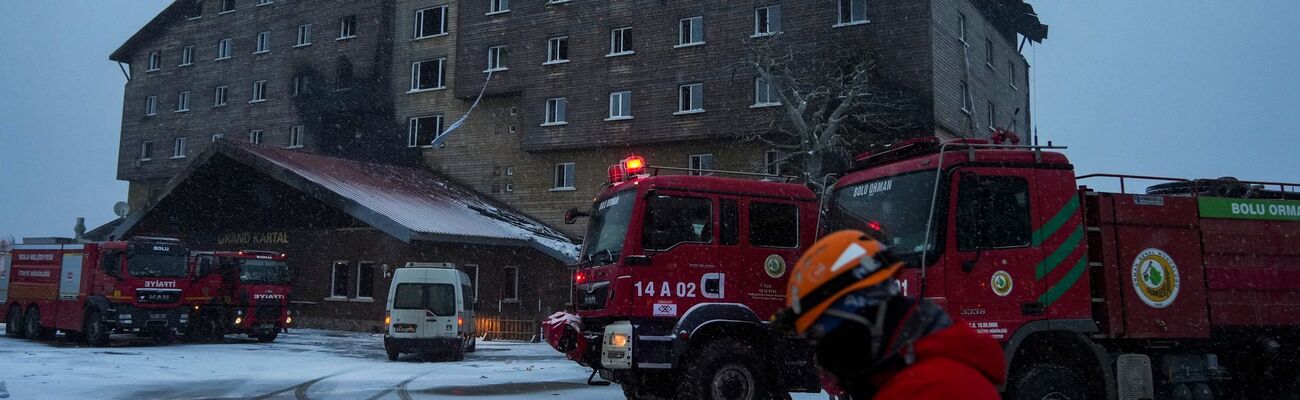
x: 268, y: 337
x: 32, y: 327
x: 1046, y: 381
x: 723, y: 370
x: 164, y: 337
x: 94, y: 330
x: 393, y: 354
x: 14, y: 324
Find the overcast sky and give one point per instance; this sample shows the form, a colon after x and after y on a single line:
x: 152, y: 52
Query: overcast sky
x: 1170, y: 88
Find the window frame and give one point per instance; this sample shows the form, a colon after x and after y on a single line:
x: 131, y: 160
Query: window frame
x: 772, y: 159
x: 347, y: 27
x: 496, y: 58
x: 230, y: 3
x: 570, y: 176
x: 843, y: 20
x: 217, y: 136
x: 966, y: 103
x: 618, y: 39
x: 509, y: 270
x: 417, y: 67
x: 443, y: 29
x: 151, y: 106
x: 146, y: 150
x: 334, y: 276
x: 624, y: 105
x: 255, y: 136
x: 774, y: 98
x: 183, y: 101
x: 498, y: 7
x: 259, y: 91
x: 694, y: 159
x: 263, y: 43
x: 690, y: 23
x: 360, y: 265
x: 413, y: 126
x: 556, y: 111
x: 1011, y: 74
x: 297, y: 136
x: 557, y: 50
x: 155, y: 61
x: 648, y: 219
x: 225, y: 49
x: 304, y: 38
x: 179, y: 145
x: 764, y: 14
x: 988, y: 52
x: 690, y: 90
x: 992, y: 110
x: 187, y: 56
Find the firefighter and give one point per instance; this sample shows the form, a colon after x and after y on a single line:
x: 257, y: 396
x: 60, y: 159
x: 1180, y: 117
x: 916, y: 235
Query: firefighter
x: 871, y: 341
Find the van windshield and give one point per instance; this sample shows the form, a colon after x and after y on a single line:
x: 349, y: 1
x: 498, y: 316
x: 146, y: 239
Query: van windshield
x: 438, y: 298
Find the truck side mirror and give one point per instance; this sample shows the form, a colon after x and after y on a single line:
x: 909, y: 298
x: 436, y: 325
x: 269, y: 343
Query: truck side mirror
x: 571, y: 216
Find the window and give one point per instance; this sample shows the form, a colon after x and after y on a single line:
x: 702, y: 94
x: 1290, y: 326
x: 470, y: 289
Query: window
x: 255, y: 136
x: 224, y: 49
x: 178, y: 148
x: 773, y: 225
x: 992, y: 212
x: 988, y: 53
x: 563, y: 177
x: 259, y: 91
x: 348, y: 27
x: 295, y: 136
x: 767, y: 20
x: 431, y: 22
x: 701, y: 162
x: 853, y: 12
x: 620, y: 41
x: 195, y: 10
x: 557, y: 50
x: 218, y: 136
x: 511, y: 292
x: 151, y: 105
x: 183, y: 101
x: 339, y: 280
x: 965, y: 97
x: 365, y: 280
x: 772, y: 160
x: 992, y: 116
x: 263, y: 43
x: 961, y: 28
x: 155, y: 61
x: 620, y: 105
x: 427, y: 75
x: 1011, y: 73
x: 690, y: 32
x: 730, y: 222
x: 187, y: 56
x: 690, y: 98
x: 498, y: 6
x: 764, y: 93
x: 227, y: 6
x: 304, y: 35
x: 672, y: 220
x: 146, y: 150
x: 422, y: 131
x: 300, y: 85
x: 496, y: 58
x: 555, y: 109
x: 264, y: 2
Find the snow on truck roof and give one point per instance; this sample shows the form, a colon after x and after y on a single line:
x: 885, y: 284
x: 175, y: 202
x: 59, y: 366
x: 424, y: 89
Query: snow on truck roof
x: 407, y: 203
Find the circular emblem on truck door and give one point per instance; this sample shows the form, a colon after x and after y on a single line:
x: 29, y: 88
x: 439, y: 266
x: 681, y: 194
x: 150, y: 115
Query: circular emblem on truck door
x: 775, y: 266
x: 1001, y: 283
x: 1155, y: 278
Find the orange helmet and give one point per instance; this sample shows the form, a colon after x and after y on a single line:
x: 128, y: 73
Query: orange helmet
x: 838, y: 264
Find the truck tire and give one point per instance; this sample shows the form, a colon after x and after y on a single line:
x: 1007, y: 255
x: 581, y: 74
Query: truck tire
x: 723, y: 370
x: 14, y: 324
x: 268, y: 337
x: 473, y: 344
x: 32, y: 326
x: 393, y: 354
x: 94, y: 330
x: 1047, y: 381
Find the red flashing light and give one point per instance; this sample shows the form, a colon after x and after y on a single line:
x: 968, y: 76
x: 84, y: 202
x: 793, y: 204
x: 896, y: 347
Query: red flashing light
x: 634, y: 165
x: 875, y: 226
x: 580, y: 277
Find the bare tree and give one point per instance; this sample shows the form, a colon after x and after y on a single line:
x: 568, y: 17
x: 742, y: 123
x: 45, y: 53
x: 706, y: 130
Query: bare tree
x: 831, y: 99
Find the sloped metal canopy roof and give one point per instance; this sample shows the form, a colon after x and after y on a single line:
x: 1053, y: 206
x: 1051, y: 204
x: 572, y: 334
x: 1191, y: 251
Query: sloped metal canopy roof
x: 407, y: 203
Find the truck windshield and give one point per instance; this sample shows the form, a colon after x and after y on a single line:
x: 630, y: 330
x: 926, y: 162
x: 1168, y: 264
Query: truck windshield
x: 893, y: 209
x: 147, y: 265
x: 263, y: 272
x: 608, y: 227
x: 438, y: 298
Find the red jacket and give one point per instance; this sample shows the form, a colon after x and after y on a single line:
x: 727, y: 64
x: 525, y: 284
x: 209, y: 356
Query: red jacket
x: 953, y: 363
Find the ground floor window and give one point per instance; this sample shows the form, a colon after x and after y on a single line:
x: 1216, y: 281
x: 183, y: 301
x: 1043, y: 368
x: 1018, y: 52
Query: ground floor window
x: 365, y: 280
x: 510, y: 289
x: 339, y: 279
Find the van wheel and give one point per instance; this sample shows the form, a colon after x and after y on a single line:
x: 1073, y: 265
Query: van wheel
x: 14, y: 324
x: 268, y: 337
x: 472, y: 343
x: 1047, y: 381
x: 95, y: 332
x: 32, y: 327
x: 724, y: 370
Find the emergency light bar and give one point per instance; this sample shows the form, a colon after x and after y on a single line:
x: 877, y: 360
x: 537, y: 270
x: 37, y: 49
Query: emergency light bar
x: 627, y: 169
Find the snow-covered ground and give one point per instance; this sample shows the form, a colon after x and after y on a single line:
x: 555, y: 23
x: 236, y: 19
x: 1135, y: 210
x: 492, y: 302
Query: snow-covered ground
x: 302, y: 364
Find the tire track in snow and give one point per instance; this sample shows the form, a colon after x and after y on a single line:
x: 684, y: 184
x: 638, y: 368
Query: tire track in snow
x: 400, y: 388
x: 299, y: 390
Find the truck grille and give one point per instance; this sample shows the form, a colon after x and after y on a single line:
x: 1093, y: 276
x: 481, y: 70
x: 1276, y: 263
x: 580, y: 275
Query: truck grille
x: 268, y: 313
x: 157, y: 296
x: 592, y: 296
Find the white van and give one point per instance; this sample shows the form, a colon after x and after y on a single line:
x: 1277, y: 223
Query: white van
x: 430, y: 311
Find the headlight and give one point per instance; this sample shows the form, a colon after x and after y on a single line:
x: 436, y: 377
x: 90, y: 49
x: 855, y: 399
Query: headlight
x: 618, y: 340
x: 239, y: 320
x: 288, y: 320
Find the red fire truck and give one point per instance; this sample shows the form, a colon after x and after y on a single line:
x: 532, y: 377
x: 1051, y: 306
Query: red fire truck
x: 93, y: 289
x: 1188, y: 291
x: 678, y: 276
x: 238, y: 292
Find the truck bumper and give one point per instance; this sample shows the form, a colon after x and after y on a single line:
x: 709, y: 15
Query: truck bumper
x: 423, y: 345
x: 128, y: 317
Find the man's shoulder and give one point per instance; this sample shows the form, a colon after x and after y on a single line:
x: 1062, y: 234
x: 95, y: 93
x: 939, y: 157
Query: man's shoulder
x: 938, y: 378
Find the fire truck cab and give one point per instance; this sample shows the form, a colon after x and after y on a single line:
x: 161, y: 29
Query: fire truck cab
x: 677, y: 279
x: 94, y: 289
x: 243, y: 291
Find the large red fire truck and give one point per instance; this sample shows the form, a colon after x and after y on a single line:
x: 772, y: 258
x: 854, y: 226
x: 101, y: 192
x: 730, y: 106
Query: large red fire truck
x: 238, y: 292
x: 93, y: 289
x: 678, y: 276
x: 1188, y: 291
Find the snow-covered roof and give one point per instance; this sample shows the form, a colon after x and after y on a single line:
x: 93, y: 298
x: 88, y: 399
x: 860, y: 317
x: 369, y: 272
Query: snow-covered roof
x: 408, y: 203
